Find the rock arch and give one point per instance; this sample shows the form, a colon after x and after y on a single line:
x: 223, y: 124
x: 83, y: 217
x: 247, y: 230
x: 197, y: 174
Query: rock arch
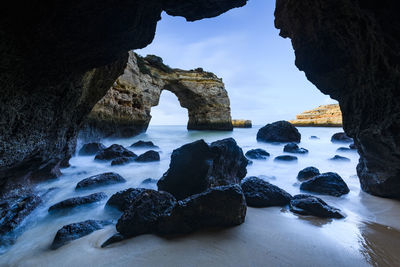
x: 125, y: 109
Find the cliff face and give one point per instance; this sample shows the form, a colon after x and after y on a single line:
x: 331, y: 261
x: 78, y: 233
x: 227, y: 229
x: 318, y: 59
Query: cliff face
x: 125, y: 109
x: 350, y: 50
x: 322, y: 116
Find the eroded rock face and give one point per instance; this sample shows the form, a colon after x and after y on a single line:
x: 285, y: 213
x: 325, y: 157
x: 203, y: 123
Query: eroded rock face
x: 349, y: 50
x: 125, y: 109
x: 322, y: 116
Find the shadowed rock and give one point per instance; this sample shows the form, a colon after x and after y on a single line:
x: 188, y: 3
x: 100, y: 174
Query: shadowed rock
x: 314, y: 137
x: 122, y: 161
x: 78, y: 201
x: 294, y: 148
x: 307, y: 173
x: 339, y: 158
x: 341, y: 138
x: 123, y: 199
x: 144, y: 144
x: 260, y: 193
x: 280, y: 131
x: 148, y: 156
x: 257, y: 154
x: 107, y: 178
x: 74, y: 231
x: 91, y: 149
x: 285, y: 158
x: 113, y: 152
x: 311, y: 205
x: 352, y: 146
x: 328, y: 183
x: 344, y: 149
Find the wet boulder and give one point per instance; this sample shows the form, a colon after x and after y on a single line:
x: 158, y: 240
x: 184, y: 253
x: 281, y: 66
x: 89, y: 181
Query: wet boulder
x: 285, y: 158
x: 257, y: 154
x: 294, y: 148
x: 328, y: 183
x: 122, y: 161
x: 75, y: 231
x: 142, y: 216
x: 148, y: 156
x: 343, y: 149
x: 339, y: 158
x: 341, y: 138
x: 260, y: 193
x: 123, y: 199
x: 149, y: 183
x: 197, y: 166
x: 113, y: 152
x: 280, y: 131
x: 78, y: 201
x: 103, y: 179
x: 314, y: 137
x: 144, y: 144
x: 352, y: 146
x: 91, y: 149
x: 307, y: 173
x: 310, y: 205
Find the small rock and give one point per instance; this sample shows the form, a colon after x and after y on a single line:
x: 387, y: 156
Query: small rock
x: 91, y: 149
x: 107, y: 178
x: 113, y: 152
x: 122, y: 161
x: 78, y: 201
x: 307, y: 173
x: 257, y: 154
x: 114, y: 239
x: 294, y: 148
x: 280, y: 131
x: 149, y: 181
x: 285, y: 158
x: 314, y: 137
x: 328, y: 183
x: 144, y: 144
x: 123, y: 199
x: 148, y: 156
x: 339, y: 158
x: 341, y: 138
x: 76, y: 230
x: 260, y: 193
x: 352, y: 146
x: 311, y: 205
x: 343, y: 149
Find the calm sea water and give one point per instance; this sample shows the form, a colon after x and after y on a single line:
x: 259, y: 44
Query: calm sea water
x: 40, y: 227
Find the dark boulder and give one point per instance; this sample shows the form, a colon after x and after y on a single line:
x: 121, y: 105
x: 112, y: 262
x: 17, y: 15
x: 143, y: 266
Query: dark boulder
x: 307, y: 173
x: 328, y: 183
x: 144, y: 144
x: 113, y: 152
x: 314, y: 137
x: 76, y: 230
x: 339, y: 158
x: 294, y: 148
x: 149, y: 181
x: 107, y: 178
x: 221, y: 206
x: 285, y: 158
x: 141, y: 217
x: 280, y: 131
x: 352, y: 146
x: 260, y: 193
x: 341, y: 138
x: 343, y: 149
x: 91, y: 149
x: 257, y: 154
x: 78, y: 201
x: 311, y: 205
x: 123, y: 199
x: 197, y: 166
x: 148, y: 156
x: 122, y: 161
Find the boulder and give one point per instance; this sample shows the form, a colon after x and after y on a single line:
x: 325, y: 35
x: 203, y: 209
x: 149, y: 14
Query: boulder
x: 285, y: 158
x: 307, y: 173
x: 123, y: 199
x: 107, y: 178
x: 314, y: 137
x: 122, y: 161
x: 257, y: 154
x: 74, y: 231
x: 260, y: 193
x: 197, y: 166
x: 343, y: 149
x: 78, y: 201
x: 311, y: 205
x: 280, y: 131
x: 294, y: 148
x: 352, y: 146
x: 113, y: 152
x: 341, y: 138
x: 144, y: 144
x: 149, y: 183
x: 91, y: 149
x: 141, y: 217
x: 339, y: 158
x: 148, y: 156
x: 328, y: 183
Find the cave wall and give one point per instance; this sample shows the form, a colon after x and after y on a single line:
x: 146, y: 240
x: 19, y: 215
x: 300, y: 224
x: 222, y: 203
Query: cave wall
x: 350, y: 49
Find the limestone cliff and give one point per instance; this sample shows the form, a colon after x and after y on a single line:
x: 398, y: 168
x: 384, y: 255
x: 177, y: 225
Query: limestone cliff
x: 322, y: 116
x: 125, y: 110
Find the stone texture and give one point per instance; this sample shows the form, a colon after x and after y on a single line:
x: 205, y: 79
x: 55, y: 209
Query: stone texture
x: 341, y: 138
x: 307, y: 173
x: 279, y: 131
x: 350, y: 49
x: 294, y: 148
x: 329, y: 183
x: 78, y: 201
x: 322, y: 116
x: 123, y: 199
x: 98, y: 180
x: 113, y: 152
x: 148, y: 156
x: 311, y: 205
x: 125, y: 110
x: 144, y: 144
x: 91, y: 149
x: 257, y: 153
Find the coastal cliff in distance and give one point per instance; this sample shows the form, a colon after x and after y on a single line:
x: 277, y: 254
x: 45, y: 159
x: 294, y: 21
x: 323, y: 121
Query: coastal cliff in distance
x: 322, y: 116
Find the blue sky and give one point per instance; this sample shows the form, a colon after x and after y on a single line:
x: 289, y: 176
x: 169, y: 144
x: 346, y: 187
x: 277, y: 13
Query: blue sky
x: 243, y: 48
